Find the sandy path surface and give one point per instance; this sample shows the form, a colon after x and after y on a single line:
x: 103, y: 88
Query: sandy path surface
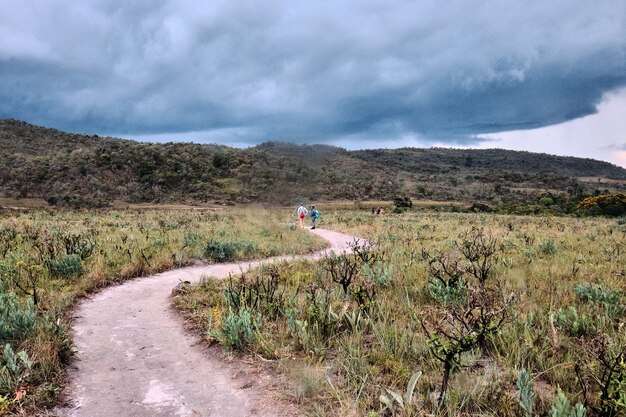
x: 134, y: 357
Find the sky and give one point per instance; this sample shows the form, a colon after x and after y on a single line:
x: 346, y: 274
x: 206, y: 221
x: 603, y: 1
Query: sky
x: 544, y: 76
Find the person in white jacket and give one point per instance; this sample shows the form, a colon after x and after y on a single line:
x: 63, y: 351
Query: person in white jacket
x: 302, y: 212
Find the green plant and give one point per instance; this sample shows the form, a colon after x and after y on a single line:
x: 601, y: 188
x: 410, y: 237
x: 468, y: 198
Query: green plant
x: 379, y: 272
x: 571, y: 322
x: 548, y: 247
x: 611, y: 300
x: 237, y: 330
x: 15, y: 370
x: 220, y: 251
x: 447, y: 294
x: 5, y: 404
x: 562, y: 408
x: 66, y: 266
x: 262, y: 293
x: 16, y: 318
x: 390, y: 398
x: 445, y: 282
x: 526, y: 392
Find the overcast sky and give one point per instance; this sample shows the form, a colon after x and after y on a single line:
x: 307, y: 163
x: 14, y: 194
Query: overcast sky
x: 514, y: 74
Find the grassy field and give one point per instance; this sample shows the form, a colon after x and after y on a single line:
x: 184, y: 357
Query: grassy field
x: 447, y: 314
x: 50, y: 259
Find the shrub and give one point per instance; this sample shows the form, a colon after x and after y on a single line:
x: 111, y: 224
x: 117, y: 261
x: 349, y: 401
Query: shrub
x: 66, y: 266
x: 562, y: 408
x: 379, y: 273
x: 572, y: 323
x: 479, y: 208
x: 445, y: 294
x: 548, y: 247
x: 220, y: 251
x: 15, y: 318
x: 15, y: 370
x: 227, y: 251
x: 402, y: 202
x: 611, y: 300
x: 237, y: 330
x: 527, y: 395
x: 604, y: 204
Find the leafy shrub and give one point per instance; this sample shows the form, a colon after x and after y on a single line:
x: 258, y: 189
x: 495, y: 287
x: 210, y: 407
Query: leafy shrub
x: 527, y: 394
x: 402, y: 202
x: 191, y: 239
x: 604, y: 204
x: 447, y: 294
x: 237, y: 330
x: 227, y: 251
x: 15, y: 370
x: 479, y: 208
x: 66, y: 266
x: 611, y: 300
x: 562, y: 408
x: 379, y: 273
x: 572, y: 323
x: 548, y: 247
x: 220, y: 251
x: 15, y: 318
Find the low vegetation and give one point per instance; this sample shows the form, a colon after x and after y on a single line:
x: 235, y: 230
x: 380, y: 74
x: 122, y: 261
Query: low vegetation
x: 443, y: 314
x: 49, y: 259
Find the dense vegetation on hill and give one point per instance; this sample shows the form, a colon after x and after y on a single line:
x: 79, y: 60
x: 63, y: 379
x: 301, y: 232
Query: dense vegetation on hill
x: 81, y: 170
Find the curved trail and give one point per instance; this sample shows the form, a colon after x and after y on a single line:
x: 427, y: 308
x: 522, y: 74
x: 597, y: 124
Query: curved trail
x: 136, y: 359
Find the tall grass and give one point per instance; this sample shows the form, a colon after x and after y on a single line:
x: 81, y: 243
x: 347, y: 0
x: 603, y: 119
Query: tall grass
x: 49, y: 259
x: 564, y: 317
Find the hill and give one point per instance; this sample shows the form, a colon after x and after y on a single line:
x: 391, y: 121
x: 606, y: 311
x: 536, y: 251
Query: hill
x: 87, y: 170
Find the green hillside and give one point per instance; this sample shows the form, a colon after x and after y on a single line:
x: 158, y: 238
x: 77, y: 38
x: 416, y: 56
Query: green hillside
x: 81, y: 170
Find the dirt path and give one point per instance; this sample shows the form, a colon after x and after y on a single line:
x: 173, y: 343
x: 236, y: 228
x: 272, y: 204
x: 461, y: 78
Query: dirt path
x: 135, y: 358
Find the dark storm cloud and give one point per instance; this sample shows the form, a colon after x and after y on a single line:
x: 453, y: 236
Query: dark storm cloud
x: 309, y: 71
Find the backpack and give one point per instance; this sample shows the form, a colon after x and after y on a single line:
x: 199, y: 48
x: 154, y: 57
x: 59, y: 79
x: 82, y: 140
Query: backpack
x: 316, y: 214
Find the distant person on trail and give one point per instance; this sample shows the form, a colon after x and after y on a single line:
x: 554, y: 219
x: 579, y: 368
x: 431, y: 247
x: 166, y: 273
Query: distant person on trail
x: 302, y: 212
x: 314, y: 216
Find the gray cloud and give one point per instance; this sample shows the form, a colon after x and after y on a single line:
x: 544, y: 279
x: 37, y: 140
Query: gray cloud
x: 309, y: 71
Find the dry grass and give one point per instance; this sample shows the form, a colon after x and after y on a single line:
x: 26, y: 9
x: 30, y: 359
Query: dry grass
x: 123, y: 245
x: 539, y: 262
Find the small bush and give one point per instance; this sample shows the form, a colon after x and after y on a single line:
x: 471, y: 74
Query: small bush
x: 572, y: 323
x: 527, y: 395
x: 447, y: 294
x: 227, y: 251
x: 220, y: 251
x: 66, y: 266
x: 191, y: 239
x: 237, y: 330
x: 562, y: 408
x: 548, y: 247
x: 15, y: 370
x: 611, y: 300
x: 379, y: 273
x: 15, y: 318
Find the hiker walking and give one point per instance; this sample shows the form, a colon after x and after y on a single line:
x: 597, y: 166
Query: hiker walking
x: 302, y: 212
x: 314, y: 215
